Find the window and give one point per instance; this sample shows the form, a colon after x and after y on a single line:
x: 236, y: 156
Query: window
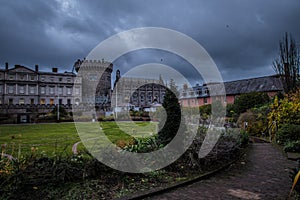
x: 43, y: 78
x: 10, y: 89
x: 60, y: 79
x: 60, y: 90
x: 93, y: 77
x: 1, y: 90
x: 21, y: 101
x: 149, y: 97
x: 205, y: 100
x: 52, y: 79
x: 69, y: 91
x: 51, y: 101
x: 43, y: 90
x: 191, y: 102
x: 32, y: 101
x: 10, y: 101
x: 21, y: 89
x: 32, y: 89
x: 77, y: 91
x: 11, y: 77
x: 22, y: 76
x: 162, y: 95
x: 206, y: 91
x: 142, y: 98
x: 51, y: 90
x: 42, y: 101
x: 60, y: 101
x: 0, y: 101
x: 69, y: 101
x: 77, y: 101
x: 68, y: 80
x: 32, y: 77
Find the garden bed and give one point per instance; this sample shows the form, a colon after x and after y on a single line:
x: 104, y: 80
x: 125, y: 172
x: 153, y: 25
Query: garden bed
x: 79, y: 177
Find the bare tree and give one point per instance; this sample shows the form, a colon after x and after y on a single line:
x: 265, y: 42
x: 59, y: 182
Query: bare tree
x: 287, y: 63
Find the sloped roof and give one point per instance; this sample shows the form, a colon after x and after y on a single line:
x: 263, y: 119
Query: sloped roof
x: 260, y: 84
x: 20, y: 68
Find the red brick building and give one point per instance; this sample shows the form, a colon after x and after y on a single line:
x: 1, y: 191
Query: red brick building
x: 201, y: 95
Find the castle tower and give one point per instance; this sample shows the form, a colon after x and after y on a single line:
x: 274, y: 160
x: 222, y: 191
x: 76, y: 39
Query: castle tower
x: 95, y: 73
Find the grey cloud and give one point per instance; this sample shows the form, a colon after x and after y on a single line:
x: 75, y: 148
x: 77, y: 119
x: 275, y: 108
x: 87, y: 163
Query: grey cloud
x: 241, y: 36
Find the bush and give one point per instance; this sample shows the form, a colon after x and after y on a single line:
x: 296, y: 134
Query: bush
x: 288, y: 133
x: 286, y: 111
x: 292, y: 146
x: 244, y: 137
x: 249, y: 100
x: 257, y: 120
x: 143, y: 145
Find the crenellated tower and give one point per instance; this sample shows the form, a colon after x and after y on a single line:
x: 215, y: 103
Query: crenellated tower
x: 95, y: 73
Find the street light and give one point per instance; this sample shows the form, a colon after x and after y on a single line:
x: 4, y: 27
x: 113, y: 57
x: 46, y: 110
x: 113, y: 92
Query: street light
x: 58, y: 103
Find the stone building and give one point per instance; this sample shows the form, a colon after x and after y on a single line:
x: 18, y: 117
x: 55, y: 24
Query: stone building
x: 26, y: 93
x: 137, y: 93
x: 95, y: 77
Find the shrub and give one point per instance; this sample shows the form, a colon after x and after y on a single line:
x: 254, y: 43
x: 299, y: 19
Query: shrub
x: 286, y: 111
x: 292, y: 146
x: 205, y: 110
x: 288, y: 133
x: 143, y: 145
x: 257, y: 121
x: 249, y: 100
x: 244, y: 137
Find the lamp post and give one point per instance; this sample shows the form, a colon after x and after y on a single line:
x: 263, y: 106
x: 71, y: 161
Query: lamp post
x: 58, y: 103
x: 116, y: 102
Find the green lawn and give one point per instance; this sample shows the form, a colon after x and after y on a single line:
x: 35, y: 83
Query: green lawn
x: 51, y: 139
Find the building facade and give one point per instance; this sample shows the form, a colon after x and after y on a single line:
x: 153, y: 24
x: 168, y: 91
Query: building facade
x: 137, y: 93
x: 95, y: 78
x: 200, y: 95
x: 26, y: 93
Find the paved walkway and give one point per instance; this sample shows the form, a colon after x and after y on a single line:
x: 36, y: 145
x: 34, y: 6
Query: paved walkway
x: 263, y: 173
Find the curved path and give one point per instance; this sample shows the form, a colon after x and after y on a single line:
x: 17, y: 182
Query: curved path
x: 263, y: 173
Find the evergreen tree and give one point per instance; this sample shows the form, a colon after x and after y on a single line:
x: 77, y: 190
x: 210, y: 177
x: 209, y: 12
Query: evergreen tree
x: 173, y: 112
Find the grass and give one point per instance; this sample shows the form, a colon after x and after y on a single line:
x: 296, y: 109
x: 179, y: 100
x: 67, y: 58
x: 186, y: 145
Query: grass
x: 59, y: 138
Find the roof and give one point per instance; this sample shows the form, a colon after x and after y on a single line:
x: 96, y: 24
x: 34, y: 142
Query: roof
x: 20, y: 68
x: 260, y: 84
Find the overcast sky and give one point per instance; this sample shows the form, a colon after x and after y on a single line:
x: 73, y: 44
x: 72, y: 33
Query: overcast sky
x: 241, y: 36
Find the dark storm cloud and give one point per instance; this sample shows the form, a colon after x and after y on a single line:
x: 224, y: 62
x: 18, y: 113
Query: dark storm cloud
x: 241, y: 36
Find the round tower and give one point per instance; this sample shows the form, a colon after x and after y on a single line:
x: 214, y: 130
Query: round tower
x: 95, y: 73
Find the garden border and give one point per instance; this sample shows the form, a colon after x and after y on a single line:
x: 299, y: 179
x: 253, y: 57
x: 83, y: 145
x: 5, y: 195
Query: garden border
x: 160, y: 190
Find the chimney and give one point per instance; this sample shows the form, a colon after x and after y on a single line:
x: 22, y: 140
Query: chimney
x: 36, y: 68
x: 6, y: 66
x: 54, y: 69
